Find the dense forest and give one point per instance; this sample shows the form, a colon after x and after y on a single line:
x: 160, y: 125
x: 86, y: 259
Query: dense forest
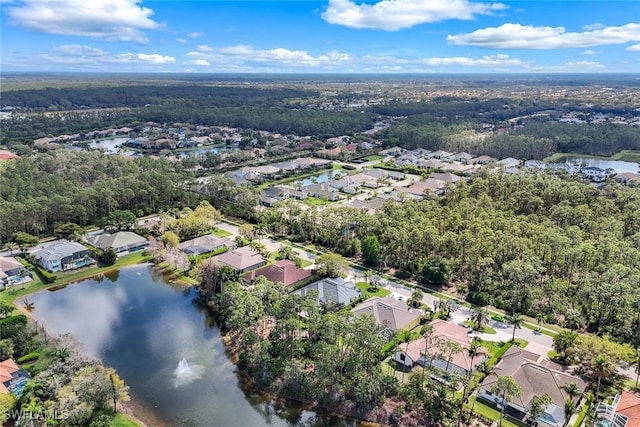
x: 536, y: 245
x: 73, y: 110
x: 536, y: 140
x: 38, y: 193
x: 325, y: 358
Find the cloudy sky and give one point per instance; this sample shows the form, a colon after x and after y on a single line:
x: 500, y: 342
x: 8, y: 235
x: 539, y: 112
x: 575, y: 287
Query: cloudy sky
x: 330, y: 36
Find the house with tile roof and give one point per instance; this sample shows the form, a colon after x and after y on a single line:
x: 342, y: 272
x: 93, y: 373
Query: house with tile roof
x: 122, y: 242
x: 389, y: 313
x: 205, y: 244
x: 428, y: 351
x: 12, y: 378
x: 536, y: 376
x: 62, y: 255
x: 624, y: 411
x: 336, y: 291
x: 242, y: 259
x: 284, y: 271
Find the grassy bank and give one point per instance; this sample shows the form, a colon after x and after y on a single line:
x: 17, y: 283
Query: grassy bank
x: 121, y: 420
x: 624, y: 155
x: 18, y: 291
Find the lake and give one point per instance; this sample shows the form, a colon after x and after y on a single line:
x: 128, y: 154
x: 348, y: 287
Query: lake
x: 167, y: 349
x: 617, y: 165
x: 319, y: 179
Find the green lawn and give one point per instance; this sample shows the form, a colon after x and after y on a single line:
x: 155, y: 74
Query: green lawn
x: 121, y: 420
x: 485, y: 329
x: 488, y: 412
x: 36, y: 285
x: 305, y: 263
x: 315, y: 201
x: 371, y: 292
x: 221, y: 233
x: 373, y: 157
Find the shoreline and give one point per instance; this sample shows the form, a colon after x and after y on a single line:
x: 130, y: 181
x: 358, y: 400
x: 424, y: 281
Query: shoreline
x: 131, y: 408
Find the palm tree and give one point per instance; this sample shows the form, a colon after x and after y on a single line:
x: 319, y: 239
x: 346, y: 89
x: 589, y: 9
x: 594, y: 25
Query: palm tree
x: 572, y: 390
x: 516, y: 321
x: 506, y: 387
x: 472, y: 352
x: 426, y: 331
x: 602, y: 367
x: 569, y: 409
x: 480, y: 317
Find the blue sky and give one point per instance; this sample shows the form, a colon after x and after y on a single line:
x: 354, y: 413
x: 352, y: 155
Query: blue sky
x: 330, y: 36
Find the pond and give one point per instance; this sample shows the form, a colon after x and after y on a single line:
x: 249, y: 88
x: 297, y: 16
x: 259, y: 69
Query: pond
x: 319, y: 179
x: 167, y: 349
x: 617, y: 165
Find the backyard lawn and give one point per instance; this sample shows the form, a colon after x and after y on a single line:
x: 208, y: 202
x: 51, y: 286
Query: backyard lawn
x: 369, y: 291
x: 489, y: 413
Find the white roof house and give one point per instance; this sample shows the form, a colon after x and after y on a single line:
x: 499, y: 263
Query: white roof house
x: 63, y: 255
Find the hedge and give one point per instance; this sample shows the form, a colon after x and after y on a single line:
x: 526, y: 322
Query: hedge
x: 30, y: 357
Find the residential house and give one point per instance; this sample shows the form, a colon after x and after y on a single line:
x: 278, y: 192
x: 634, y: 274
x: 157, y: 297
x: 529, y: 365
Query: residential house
x: 122, y: 242
x: 62, y: 255
x: 446, y: 177
x: 322, y: 191
x: 508, y: 163
x: 389, y: 313
x: 461, y: 157
x: 441, y: 154
x: 628, y: 178
x: 336, y: 291
x: 482, y: 160
x: 594, y: 173
x: 535, y: 164
x: 284, y: 271
x: 12, y: 271
x: 624, y: 411
x: 206, y: 244
x: 242, y: 259
x: 12, y: 378
x: 430, y: 351
x: 535, y: 376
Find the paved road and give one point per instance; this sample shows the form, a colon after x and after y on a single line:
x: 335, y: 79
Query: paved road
x: 538, y: 343
x: 271, y: 244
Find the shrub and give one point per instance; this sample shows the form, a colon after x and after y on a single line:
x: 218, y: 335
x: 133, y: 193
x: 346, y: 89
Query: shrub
x: 46, y: 276
x: 30, y: 357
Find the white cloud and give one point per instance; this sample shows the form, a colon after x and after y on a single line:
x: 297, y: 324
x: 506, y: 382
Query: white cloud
x: 181, y: 40
x: 114, y: 20
x: 634, y: 48
x: 246, y: 55
x: 195, y: 34
x: 248, y: 58
x: 499, y: 60
x: 89, y: 56
x: 155, y: 58
x: 590, y: 52
x: 517, y: 36
x: 199, y: 62
x: 573, y: 67
x: 78, y: 50
x: 392, y: 15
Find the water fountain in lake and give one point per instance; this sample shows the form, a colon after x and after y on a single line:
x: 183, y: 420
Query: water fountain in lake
x: 186, y: 374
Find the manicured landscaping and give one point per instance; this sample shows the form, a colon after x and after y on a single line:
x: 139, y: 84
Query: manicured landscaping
x: 220, y: 232
x: 489, y: 413
x: 63, y: 278
x: 121, y: 420
x: 373, y: 157
x: 484, y: 330
x: 369, y: 291
x: 315, y: 201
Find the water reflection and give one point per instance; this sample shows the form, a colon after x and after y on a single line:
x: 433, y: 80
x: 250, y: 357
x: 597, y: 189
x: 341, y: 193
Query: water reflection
x: 144, y: 328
